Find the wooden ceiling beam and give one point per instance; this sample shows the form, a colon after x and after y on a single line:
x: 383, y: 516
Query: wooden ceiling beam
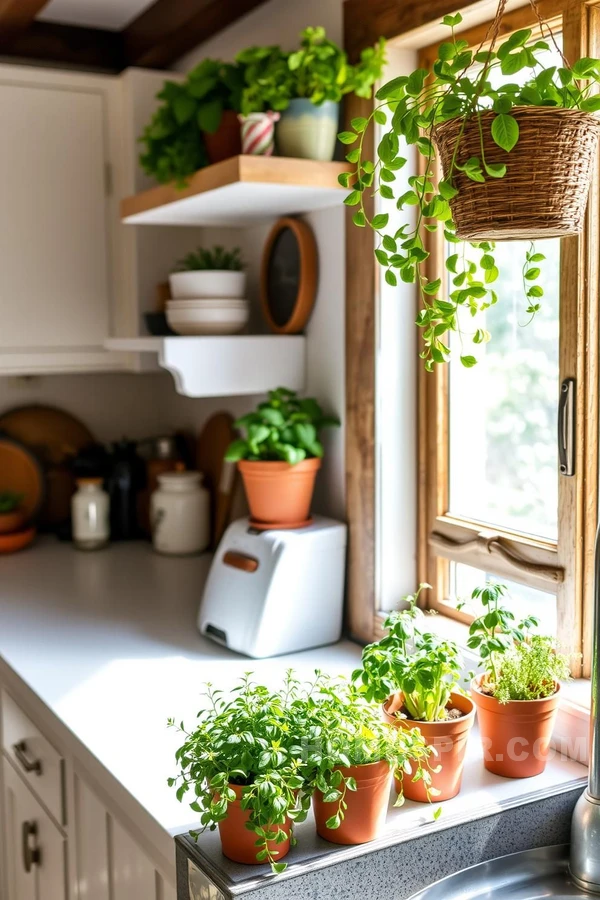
x: 16, y: 15
x: 170, y: 28
x: 65, y: 45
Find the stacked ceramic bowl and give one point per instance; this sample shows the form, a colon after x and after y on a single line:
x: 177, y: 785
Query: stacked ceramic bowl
x: 207, y: 302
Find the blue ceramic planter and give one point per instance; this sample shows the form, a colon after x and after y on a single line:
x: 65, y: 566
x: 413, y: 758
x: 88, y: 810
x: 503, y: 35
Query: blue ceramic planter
x: 307, y: 131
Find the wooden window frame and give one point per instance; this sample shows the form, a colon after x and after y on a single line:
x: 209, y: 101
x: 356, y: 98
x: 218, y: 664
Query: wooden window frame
x: 578, y: 502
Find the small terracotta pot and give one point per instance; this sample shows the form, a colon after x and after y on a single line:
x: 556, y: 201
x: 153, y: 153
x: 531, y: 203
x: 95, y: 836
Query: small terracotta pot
x: 226, y: 141
x: 515, y: 736
x: 238, y: 843
x: 449, y: 739
x: 11, y: 521
x: 279, y: 493
x: 367, y: 806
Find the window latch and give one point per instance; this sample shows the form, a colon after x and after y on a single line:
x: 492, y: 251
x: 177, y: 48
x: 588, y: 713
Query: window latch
x: 566, y: 427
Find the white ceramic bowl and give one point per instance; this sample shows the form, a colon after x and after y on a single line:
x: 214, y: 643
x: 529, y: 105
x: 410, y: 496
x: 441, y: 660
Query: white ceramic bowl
x: 211, y: 283
x: 214, y: 303
x: 207, y: 320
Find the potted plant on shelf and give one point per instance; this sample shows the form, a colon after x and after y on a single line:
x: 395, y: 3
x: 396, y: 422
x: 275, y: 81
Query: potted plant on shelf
x: 321, y: 76
x: 279, y: 457
x: 208, y: 288
x: 351, y: 755
x: 195, y: 124
x: 415, y: 675
x: 12, y: 517
x: 241, y: 764
x: 501, y: 120
x: 518, y: 693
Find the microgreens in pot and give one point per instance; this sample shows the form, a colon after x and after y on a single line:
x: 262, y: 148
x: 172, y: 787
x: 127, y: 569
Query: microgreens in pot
x: 10, y: 501
x: 518, y: 664
x: 216, y: 259
x: 420, y: 665
x: 245, y: 740
x: 341, y: 728
x: 462, y: 85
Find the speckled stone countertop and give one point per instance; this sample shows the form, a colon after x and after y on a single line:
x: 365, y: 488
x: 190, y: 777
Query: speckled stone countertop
x: 491, y: 817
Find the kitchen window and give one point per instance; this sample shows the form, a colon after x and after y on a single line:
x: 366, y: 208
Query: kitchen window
x: 489, y: 500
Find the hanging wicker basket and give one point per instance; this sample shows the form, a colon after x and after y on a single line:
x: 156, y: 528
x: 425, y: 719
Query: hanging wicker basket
x: 544, y: 192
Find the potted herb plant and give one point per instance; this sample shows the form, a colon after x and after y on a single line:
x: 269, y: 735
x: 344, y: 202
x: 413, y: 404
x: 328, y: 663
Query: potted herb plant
x: 279, y: 457
x: 322, y: 75
x: 517, y: 695
x: 12, y: 517
x: 500, y: 120
x: 195, y: 124
x: 351, y: 755
x: 241, y: 764
x: 415, y: 675
x: 209, y: 272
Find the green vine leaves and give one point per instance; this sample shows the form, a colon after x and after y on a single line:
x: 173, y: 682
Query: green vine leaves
x: 411, y: 108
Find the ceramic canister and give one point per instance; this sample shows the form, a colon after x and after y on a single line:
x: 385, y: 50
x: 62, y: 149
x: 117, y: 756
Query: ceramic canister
x: 180, y: 514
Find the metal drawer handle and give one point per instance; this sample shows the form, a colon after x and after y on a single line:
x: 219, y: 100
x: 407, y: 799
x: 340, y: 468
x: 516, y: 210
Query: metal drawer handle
x: 30, y: 765
x: 31, y: 855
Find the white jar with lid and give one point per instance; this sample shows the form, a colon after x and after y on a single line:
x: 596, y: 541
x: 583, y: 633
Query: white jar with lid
x: 180, y: 514
x: 90, y: 506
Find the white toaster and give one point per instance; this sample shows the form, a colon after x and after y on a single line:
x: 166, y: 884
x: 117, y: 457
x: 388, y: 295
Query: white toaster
x: 274, y: 592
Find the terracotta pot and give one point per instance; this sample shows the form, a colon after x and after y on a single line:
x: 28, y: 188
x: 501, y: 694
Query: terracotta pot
x: 515, y: 736
x: 279, y: 493
x: 11, y: 521
x: 449, y: 739
x: 226, y: 141
x: 367, y: 806
x: 238, y: 843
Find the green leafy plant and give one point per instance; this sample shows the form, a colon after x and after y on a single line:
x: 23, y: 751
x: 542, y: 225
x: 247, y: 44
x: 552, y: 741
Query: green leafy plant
x: 285, y: 427
x: 173, y: 138
x: 462, y: 84
x: 248, y: 740
x: 10, y: 501
x: 268, y: 81
x: 339, y: 727
x: 424, y: 668
x: 215, y: 259
x: 518, y: 665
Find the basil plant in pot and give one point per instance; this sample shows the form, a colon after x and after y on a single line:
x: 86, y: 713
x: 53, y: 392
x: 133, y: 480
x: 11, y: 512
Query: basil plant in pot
x: 499, y: 120
x: 517, y: 695
x: 241, y: 764
x: 415, y: 675
x: 279, y: 457
x: 350, y: 756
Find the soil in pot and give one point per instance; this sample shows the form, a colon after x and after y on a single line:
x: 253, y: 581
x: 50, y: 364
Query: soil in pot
x: 278, y: 492
x: 449, y: 737
x: 306, y: 131
x: 238, y: 843
x: 226, y: 141
x: 367, y: 806
x: 515, y: 736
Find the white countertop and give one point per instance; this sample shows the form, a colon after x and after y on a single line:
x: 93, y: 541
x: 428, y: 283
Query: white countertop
x: 108, y: 641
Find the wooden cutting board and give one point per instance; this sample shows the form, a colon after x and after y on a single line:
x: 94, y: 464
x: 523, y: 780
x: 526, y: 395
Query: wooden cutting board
x: 220, y: 477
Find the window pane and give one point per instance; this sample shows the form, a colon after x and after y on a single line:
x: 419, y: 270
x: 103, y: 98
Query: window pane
x: 503, y: 447
x: 522, y: 600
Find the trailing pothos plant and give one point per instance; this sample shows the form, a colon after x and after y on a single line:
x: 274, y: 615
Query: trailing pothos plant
x: 518, y: 664
x: 462, y: 83
x: 423, y: 667
x: 246, y: 740
x: 284, y: 427
x: 340, y: 728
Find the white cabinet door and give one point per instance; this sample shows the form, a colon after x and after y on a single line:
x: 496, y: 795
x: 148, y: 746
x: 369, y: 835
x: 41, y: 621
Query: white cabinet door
x: 133, y: 875
x: 91, y: 844
x: 55, y: 284
x: 35, y: 848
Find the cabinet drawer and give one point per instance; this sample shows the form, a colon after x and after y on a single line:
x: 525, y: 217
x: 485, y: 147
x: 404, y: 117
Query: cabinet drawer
x: 34, y: 757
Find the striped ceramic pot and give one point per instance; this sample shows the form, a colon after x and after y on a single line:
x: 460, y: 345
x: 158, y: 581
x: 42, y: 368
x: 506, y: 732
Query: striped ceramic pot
x: 258, y: 133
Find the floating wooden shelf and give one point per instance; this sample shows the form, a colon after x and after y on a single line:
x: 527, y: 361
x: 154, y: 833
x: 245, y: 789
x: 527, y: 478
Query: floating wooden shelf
x: 224, y: 366
x: 239, y: 191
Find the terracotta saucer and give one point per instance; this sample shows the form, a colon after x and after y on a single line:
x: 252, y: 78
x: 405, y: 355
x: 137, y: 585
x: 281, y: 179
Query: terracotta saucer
x: 18, y: 540
x: 278, y: 526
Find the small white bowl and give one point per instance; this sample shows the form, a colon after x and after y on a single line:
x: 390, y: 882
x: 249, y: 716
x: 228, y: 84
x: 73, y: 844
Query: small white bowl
x: 214, y: 303
x: 212, y: 320
x: 209, y: 283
